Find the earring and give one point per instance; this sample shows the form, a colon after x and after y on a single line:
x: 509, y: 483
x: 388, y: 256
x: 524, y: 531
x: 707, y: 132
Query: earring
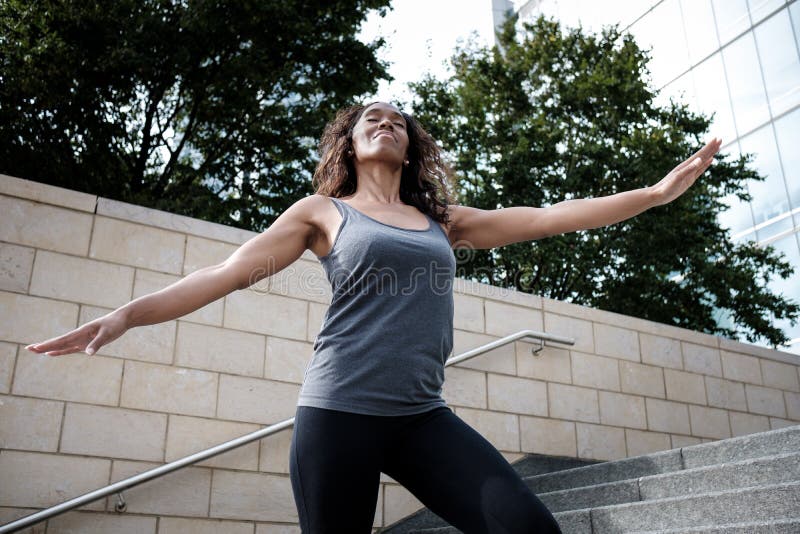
x: 405, y: 163
x: 349, y: 152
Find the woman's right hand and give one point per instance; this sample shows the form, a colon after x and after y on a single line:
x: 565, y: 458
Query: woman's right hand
x: 87, y: 338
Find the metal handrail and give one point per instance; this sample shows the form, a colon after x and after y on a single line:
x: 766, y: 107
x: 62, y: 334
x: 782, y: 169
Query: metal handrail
x: 135, y: 480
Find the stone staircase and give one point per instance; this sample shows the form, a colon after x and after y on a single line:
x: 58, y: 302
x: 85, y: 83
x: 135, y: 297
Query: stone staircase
x: 749, y: 484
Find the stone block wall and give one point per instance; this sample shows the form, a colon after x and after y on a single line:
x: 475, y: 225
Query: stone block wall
x: 71, y: 424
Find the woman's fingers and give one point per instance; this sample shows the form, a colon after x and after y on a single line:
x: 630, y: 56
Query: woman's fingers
x: 708, y: 151
x: 61, y: 352
x: 69, y: 340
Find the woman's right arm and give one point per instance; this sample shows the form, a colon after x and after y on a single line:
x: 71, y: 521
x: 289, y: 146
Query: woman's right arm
x: 263, y: 255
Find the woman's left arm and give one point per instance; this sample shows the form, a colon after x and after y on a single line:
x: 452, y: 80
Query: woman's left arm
x: 476, y: 228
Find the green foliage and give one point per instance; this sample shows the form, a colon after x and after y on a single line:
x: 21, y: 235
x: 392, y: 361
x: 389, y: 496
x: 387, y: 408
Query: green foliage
x: 208, y: 108
x: 556, y: 114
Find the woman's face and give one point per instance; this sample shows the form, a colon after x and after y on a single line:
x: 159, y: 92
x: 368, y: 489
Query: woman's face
x: 380, y: 134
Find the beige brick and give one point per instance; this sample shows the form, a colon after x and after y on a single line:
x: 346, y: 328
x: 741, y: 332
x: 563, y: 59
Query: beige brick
x: 42, y: 480
x: 463, y: 387
x: 263, y: 528
x: 641, y: 379
x: 551, y: 364
x: 146, y: 282
x: 501, y: 429
x: 151, y: 343
x: 661, y: 351
x: 201, y: 252
x: 709, y: 422
x: 776, y: 423
x: 305, y: 280
x: 8, y: 356
x: 548, y: 436
x: 45, y: 193
x: 74, y: 377
x: 740, y: 367
x: 779, y: 375
x: 97, y: 523
x: 316, y: 316
x: 500, y: 360
x: 725, y: 394
x: 219, y: 349
x: 765, y: 401
x: 64, y: 277
x: 188, y: 435
x: 137, y: 245
x: 26, y: 320
x: 183, y: 492
x: 115, y: 433
x: 517, y: 395
x: 621, y: 343
x: 287, y: 360
x: 701, y: 359
x: 179, y: 525
x: 573, y: 403
x: 641, y: 443
x: 468, y: 313
x: 792, y: 405
x: 501, y: 294
x: 684, y: 441
x: 256, y: 401
x: 274, y: 452
x: 29, y: 424
x: 12, y: 514
x: 666, y: 416
x: 252, y: 497
x: 44, y: 227
x: 266, y: 314
x: 577, y: 329
x: 598, y: 442
x: 595, y: 371
x: 743, y: 424
x: 16, y: 264
x: 398, y: 503
x: 168, y: 389
x: 504, y: 319
x: 685, y: 387
x: 171, y: 221
x: 617, y: 409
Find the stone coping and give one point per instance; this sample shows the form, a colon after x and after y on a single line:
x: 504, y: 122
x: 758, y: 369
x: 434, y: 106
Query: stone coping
x: 58, y: 196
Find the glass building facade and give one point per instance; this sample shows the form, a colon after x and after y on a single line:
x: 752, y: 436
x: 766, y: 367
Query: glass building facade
x: 738, y: 60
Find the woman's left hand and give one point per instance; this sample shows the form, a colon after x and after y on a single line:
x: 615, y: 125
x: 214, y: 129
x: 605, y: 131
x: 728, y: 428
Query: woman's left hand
x: 683, y: 176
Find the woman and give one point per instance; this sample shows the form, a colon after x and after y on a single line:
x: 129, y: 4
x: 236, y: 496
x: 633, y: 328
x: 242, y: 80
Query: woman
x: 382, y: 225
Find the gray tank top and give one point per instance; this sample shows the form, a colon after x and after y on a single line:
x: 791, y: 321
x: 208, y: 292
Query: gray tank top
x: 389, y: 328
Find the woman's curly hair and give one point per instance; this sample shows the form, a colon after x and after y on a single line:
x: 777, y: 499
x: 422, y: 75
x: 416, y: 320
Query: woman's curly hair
x: 425, y: 183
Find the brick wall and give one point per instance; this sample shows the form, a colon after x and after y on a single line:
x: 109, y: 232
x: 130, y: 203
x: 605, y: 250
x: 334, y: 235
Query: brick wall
x: 74, y: 423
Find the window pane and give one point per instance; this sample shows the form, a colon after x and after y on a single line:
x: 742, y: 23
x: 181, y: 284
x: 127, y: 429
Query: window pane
x: 794, y: 11
x: 779, y: 62
x: 787, y: 128
x: 774, y: 229
x: 762, y: 8
x: 701, y: 35
x: 744, y: 78
x: 713, y: 98
x: 732, y: 18
x: 738, y: 217
x: 788, y: 288
x: 769, y: 196
x: 662, y: 30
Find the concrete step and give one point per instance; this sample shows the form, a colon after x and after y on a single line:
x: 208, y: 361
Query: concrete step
x: 789, y: 526
x: 777, y: 502
x: 746, y: 473
x: 759, y: 445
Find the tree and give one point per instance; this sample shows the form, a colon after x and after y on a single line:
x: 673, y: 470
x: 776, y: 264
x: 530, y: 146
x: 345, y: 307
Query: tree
x: 555, y: 114
x: 208, y: 108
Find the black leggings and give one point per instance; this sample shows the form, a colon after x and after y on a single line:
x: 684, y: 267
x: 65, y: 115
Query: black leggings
x: 336, y: 459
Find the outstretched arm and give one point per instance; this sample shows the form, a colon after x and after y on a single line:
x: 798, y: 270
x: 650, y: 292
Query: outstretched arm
x: 481, y: 229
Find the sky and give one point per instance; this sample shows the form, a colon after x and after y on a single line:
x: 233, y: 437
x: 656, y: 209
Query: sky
x: 421, y: 35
